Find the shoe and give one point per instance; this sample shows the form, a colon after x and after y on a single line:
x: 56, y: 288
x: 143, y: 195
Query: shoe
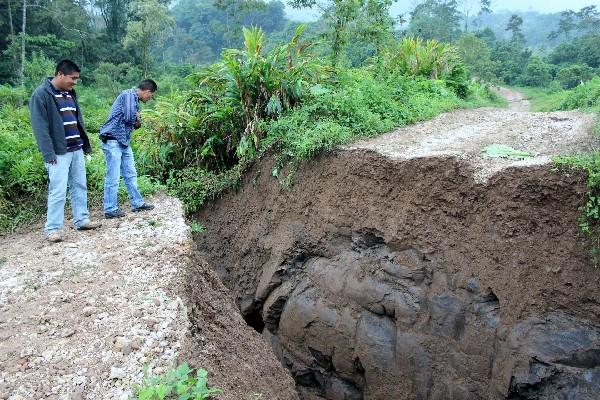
x: 143, y: 207
x: 114, y: 214
x: 89, y: 225
x: 54, y: 237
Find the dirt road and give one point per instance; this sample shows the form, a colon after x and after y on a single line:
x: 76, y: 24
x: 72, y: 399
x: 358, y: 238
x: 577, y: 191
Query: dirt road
x: 86, y: 317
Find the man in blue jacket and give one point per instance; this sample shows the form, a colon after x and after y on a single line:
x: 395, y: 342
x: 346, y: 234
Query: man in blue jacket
x: 57, y: 123
x: 116, y: 144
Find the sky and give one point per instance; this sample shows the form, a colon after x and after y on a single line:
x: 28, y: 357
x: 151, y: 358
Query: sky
x: 543, y: 6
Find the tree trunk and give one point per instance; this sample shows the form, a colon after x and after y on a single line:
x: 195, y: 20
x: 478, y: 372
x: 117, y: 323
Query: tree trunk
x: 12, y: 35
x: 10, y: 21
x: 23, y: 26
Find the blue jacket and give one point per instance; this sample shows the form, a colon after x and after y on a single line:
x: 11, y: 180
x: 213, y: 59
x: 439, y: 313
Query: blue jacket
x: 122, y: 117
x: 47, y: 123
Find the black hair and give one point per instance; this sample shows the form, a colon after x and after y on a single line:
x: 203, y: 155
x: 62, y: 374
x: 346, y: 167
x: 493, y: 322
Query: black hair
x: 148, y: 84
x: 66, y: 67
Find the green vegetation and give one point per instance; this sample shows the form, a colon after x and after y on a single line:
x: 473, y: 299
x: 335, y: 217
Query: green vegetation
x: 180, y: 383
x: 543, y: 99
x: 587, y: 97
x: 504, y: 151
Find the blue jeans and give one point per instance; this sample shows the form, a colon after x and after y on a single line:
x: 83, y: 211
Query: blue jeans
x: 119, y: 162
x: 69, y: 171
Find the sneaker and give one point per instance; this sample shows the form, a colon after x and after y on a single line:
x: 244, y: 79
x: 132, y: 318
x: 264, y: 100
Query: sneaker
x: 54, y: 237
x: 114, y: 214
x: 143, y: 207
x: 89, y: 225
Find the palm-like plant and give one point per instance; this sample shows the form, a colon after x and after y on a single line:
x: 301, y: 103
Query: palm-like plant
x: 430, y: 59
x: 254, y: 86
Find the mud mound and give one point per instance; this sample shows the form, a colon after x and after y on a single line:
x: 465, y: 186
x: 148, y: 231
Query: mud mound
x: 405, y: 276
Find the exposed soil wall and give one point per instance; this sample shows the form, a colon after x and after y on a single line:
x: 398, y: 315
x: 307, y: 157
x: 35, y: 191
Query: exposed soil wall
x: 378, y: 278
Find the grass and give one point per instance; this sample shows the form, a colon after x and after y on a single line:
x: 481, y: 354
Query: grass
x: 543, y: 99
x: 586, y: 98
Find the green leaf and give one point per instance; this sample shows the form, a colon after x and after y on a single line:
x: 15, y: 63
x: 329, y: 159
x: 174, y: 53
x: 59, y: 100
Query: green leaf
x: 504, y: 151
x: 146, y: 393
x: 162, y: 391
x: 317, y: 90
x: 183, y: 370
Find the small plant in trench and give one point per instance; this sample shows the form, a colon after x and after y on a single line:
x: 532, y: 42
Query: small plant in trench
x: 587, y: 97
x: 197, y: 227
x: 180, y: 383
x: 589, y: 221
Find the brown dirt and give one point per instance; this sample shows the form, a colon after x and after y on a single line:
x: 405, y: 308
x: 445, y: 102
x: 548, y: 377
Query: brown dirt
x: 495, y: 234
x: 516, y: 100
x: 85, y: 317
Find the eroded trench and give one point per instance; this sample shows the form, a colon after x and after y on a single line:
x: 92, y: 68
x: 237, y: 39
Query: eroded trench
x: 375, y: 278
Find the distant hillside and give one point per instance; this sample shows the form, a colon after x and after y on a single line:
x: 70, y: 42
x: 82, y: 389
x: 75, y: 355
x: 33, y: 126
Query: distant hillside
x: 536, y: 26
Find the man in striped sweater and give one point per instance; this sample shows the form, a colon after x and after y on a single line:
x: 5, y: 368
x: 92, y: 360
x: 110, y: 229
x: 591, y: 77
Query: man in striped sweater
x: 61, y: 137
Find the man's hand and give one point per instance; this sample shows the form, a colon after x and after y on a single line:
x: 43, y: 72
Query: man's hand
x: 138, y: 120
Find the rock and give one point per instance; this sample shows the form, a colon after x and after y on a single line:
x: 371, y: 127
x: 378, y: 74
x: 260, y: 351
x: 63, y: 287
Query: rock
x: 77, y: 394
x: 117, y: 373
x: 68, y: 333
x: 88, y: 311
x: 123, y: 345
x: 126, y: 350
x: 151, y: 322
x: 136, y: 344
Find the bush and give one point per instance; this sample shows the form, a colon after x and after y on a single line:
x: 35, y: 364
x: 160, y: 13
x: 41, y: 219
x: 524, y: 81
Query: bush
x: 193, y: 185
x: 220, y: 122
x: 111, y: 79
x: 180, y: 383
x: 360, y: 105
x: 430, y: 59
x: 39, y: 68
x: 573, y: 75
x: 536, y: 73
x: 583, y: 96
x: 22, y: 174
x: 13, y: 97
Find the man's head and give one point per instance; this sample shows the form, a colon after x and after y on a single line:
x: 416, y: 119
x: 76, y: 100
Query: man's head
x: 146, y: 89
x: 66, y: 75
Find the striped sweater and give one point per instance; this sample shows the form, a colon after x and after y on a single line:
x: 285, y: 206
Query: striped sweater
x: 68, y: 111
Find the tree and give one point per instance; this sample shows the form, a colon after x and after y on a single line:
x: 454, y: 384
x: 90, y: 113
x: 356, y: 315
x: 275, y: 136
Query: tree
x: 476, y: 55
x: 566, y: 25
x: 514, y: 25
x: 436, y: 19
x: 150, y: 24
x: 368, y: 20
x: 581, y: 50
x: 467, y: 8
x: 485, y: 7
x: 114, y: 14
x: 536, y: 73
x: 575, y: 74
x: 23, y: 34
x: 589, y: 20
x: 512, y: 58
